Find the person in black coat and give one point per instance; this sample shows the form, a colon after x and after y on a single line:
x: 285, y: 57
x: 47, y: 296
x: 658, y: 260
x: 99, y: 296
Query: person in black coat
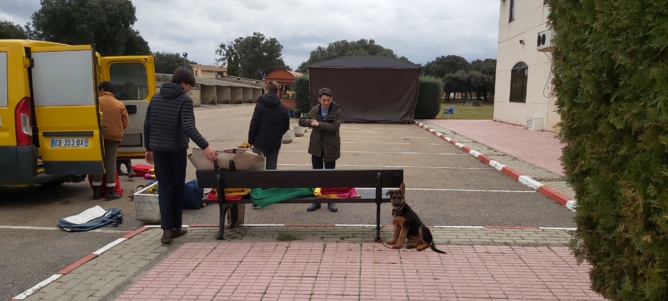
x: 269, y: 122
x: 168, y: 127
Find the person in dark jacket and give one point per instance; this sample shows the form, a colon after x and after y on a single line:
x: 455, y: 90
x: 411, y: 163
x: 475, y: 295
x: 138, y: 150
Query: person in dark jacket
x: 325, y: 141
x: 269, y: 122
x: 170, y: 122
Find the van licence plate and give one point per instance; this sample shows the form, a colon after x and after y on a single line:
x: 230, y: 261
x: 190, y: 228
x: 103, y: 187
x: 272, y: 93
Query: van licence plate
x: 69, y: 142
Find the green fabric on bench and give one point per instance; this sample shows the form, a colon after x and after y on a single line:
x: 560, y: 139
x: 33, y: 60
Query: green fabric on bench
x: 265, y: 197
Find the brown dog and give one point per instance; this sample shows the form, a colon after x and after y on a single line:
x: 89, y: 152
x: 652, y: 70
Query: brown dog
x: 407, y: 224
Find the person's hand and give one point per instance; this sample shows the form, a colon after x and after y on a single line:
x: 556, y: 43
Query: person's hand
x: 149, y: 157
x: 314, y: 123
x: 210, y: 153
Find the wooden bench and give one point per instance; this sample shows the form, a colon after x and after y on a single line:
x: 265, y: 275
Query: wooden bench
x: 378, y: 179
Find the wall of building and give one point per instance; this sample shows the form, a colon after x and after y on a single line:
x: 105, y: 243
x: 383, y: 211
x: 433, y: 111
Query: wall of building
x: 530, y: 19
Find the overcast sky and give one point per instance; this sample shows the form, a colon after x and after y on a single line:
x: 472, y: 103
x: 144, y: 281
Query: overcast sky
x: 420, y: 30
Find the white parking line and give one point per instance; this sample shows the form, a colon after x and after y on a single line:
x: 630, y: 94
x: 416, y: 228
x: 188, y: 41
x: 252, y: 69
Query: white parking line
x: 394, y: 153
x: 393, y: 166
x: 56, y: 229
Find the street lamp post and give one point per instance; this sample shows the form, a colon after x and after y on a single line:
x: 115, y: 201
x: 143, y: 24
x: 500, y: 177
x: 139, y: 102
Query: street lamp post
x: 185, y: 60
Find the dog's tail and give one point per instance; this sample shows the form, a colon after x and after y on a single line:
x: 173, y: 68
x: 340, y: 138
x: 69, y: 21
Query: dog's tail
x: 433, y: 248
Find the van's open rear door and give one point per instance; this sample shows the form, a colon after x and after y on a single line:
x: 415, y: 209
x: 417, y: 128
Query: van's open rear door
x: 66, y: 111
x: 133, y: 78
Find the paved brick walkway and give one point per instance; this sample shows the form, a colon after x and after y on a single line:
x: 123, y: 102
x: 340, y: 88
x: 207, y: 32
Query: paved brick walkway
x: 329, y: 263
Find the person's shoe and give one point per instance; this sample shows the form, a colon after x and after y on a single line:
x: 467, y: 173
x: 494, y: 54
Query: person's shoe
x: 113, y: 196
x: 120, y: 172
x: 97, y: 194
x: 313, y: 207
x: 256, y: 206
x: 167, y: 235
x: 332, y: 207
x: 131, y: 173
x: 178, y: 232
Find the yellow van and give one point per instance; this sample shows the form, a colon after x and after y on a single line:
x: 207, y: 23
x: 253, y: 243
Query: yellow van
x: 50, y: 126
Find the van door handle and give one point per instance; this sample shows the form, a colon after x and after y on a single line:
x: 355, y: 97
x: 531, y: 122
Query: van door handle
x: 132, y: 109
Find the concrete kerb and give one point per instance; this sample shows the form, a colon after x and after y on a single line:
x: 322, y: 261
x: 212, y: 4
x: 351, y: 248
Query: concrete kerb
x: 76, y: 264
x: 549, y: 192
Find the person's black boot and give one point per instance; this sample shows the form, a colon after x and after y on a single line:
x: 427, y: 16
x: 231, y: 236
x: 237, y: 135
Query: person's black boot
x: 332, y: 207
x: 131, y: 172
x: 313, y: 207
x: 97, y: 194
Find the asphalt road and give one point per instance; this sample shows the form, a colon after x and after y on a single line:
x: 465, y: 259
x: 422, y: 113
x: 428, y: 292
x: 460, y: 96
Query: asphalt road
x: 445, y: 186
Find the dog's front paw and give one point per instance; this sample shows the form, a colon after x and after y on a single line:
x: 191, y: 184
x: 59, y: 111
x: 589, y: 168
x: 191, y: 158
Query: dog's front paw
x: 396, y: 246
x: 391, y: 242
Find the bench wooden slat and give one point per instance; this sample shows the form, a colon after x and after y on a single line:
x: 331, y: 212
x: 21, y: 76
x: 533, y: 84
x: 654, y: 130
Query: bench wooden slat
x: 300, y: 178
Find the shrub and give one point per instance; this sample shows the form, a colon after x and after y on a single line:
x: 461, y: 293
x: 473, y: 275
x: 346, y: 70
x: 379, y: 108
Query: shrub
x: 302, y: 93
x: 429, y: 97
x: 611, y: 78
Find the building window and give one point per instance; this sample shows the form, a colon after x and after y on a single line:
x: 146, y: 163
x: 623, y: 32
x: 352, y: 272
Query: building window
x: 512, y: 11
x: 518, y: 82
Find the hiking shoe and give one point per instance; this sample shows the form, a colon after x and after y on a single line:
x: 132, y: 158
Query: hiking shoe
x: 313, y: 207
x: 178, y: 232
x: 332, y: 207
x: 167, y: 235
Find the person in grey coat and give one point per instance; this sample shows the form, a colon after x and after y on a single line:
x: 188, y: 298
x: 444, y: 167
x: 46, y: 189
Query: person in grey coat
x: 325, y: 141
x: 169, y: 124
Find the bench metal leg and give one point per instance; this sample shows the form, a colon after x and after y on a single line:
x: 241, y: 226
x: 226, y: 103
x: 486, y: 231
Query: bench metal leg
x: 377, y: 222
x: 223, y: 207
x: 379, y: 191
x: 234, y: 215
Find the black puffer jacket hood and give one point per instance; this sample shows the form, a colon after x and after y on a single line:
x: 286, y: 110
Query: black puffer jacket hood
x: 269, y: 100
x: 171, y: 90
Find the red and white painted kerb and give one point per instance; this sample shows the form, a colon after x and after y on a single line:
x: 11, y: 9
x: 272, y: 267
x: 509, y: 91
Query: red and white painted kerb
x: 76, y: 264
x: 551, y: 193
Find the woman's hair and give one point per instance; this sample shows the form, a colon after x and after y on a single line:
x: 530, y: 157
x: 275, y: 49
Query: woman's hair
x: 272, y: 86
x: 325, y: 91
x: 182, y: 75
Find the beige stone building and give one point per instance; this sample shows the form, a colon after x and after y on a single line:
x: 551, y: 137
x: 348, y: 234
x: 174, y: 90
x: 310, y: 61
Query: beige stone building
x: 523, y: 89
x: 206, y: 71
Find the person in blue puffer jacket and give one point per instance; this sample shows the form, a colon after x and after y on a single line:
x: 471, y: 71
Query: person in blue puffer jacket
x: 169, y: 124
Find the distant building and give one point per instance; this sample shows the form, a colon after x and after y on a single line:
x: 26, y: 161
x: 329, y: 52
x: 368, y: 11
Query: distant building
x: 523, y: 90
x: 206, y: 71
x: 286, y: 79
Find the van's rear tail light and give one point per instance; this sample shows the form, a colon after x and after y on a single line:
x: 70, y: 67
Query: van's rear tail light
x: 23, y: 124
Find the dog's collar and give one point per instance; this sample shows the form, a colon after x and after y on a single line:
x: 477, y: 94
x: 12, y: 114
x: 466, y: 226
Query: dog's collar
x: 398, y: 210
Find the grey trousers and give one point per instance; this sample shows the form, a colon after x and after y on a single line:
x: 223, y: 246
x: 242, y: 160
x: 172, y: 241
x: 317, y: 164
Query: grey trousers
x: 110, y: 151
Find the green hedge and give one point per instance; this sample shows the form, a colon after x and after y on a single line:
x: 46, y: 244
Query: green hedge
x: 611, y: 78
x: 302, y: 93
x: 429, y: 98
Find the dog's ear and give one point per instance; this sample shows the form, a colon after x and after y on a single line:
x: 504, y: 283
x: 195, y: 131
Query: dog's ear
x: 388, y: 193
x: 402, y: 188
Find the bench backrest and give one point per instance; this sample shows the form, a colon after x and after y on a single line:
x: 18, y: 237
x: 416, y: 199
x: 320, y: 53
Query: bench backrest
x: 302, y: 178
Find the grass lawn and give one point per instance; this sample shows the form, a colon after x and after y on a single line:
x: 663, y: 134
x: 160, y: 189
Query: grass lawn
x: 486, y: 111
